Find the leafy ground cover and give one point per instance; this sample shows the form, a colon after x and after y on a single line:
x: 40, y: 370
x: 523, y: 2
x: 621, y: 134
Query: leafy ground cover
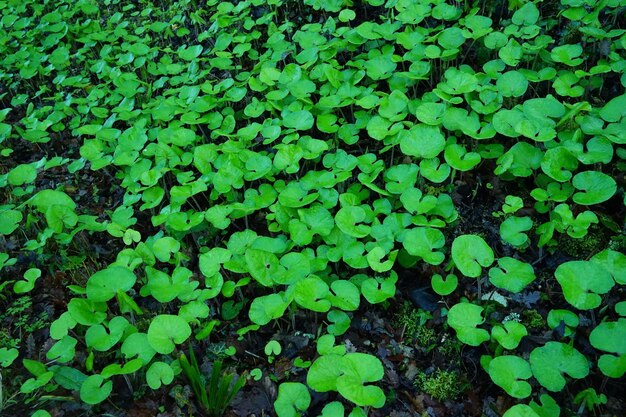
x: 321, y: 208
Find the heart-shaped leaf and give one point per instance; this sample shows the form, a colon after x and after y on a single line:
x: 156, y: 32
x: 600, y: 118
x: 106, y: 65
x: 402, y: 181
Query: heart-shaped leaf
x: 583, y: 283
x: 464, y: 319
x: 95, y: 389
x: 512, y: 274
x: 470, y: 253
x: 554, y: 359
x: 509, y: 373
x: 597, y: 187
x: 293, y: 399
x: 159, y: 373
x: 166, y: 331
x: 104, y: 284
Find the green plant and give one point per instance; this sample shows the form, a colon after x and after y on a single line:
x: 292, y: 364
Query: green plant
x: 412, y: 321
x: 589, y: 399
x: 346, y: 373
x: 215, y: 394
x: 170, y: 172
x: 440, y: 384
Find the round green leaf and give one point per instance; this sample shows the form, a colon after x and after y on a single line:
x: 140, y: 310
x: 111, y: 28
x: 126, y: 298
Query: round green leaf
x: 512, y: 274
x: 610, y: 336
x: 166, y: 331
x: 554, y: 359
x: 293, y: 399
x: 597, y: 187
x: 583, y: 283
x: 159, y: 373
x: 614, y: 262
x: 470, y: 253
x: 463, y: 318
x: 9, y: 221
x: 512, y: 84
x: 357, y: 370
x: 424, y: 242
x: 104, y: 284
x: 509, y: 373
x: 94, y: 389
x: 267, y: 308
x: 422, y: 141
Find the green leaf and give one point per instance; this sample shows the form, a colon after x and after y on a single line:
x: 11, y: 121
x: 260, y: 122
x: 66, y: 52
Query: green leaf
x: 509, y: 335
x: 610, y: 336
x: 470, y: 253
x: 597, y: 186
x: 62, y: 351
x: 422, y: 141
x: 554, y: 359
x: 340, y: 322
x: 189, y: 53
x: 375, y: 256
x: 615, y: 109
x: 458, y: 158
x: 7, y: 356
x: 509, y: 373
x: 311, y: 293
x: 9, y: 221
x: 512, y: 84
x: 344, y: 295
x: 22, y: 174
x: 463, y: 318
x: 357, y: 370
x: 521, y: 410
x: 511, y: 53
x: 444, y: 287
x: 526, y: 15
x: 299, y: 120
x: 166, y: 331
x: 614, y: 262
x: 557, y: 317
x: 558, y: 163
x: 137, y: 344
x: 30, y: 277
x: 293, y: 399
x: 95, y: 389
x: 267, y: 308
x: 104, y: 284
x: 46, y: 198
x: 583, y: 283
x: 376, y: 290
x: 98, y: 338
x: 323, y: 373
x: 567, y: 54
x: 424, y: 242
x: 178, y: 136
x: 159, y: 373
x: 349, y: 220
x: 511, y: 274
x: 263, y: 266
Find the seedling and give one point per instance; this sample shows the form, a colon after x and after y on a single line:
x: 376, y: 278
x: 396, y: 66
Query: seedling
x: 217, y: 393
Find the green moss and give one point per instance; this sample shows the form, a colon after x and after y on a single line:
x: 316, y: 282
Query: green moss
x: 449, y: 346
x: 533, y: 320
x: 618, y: 243
x: 441, y: 385
x: 412, y: 321
x: 584, y: 247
